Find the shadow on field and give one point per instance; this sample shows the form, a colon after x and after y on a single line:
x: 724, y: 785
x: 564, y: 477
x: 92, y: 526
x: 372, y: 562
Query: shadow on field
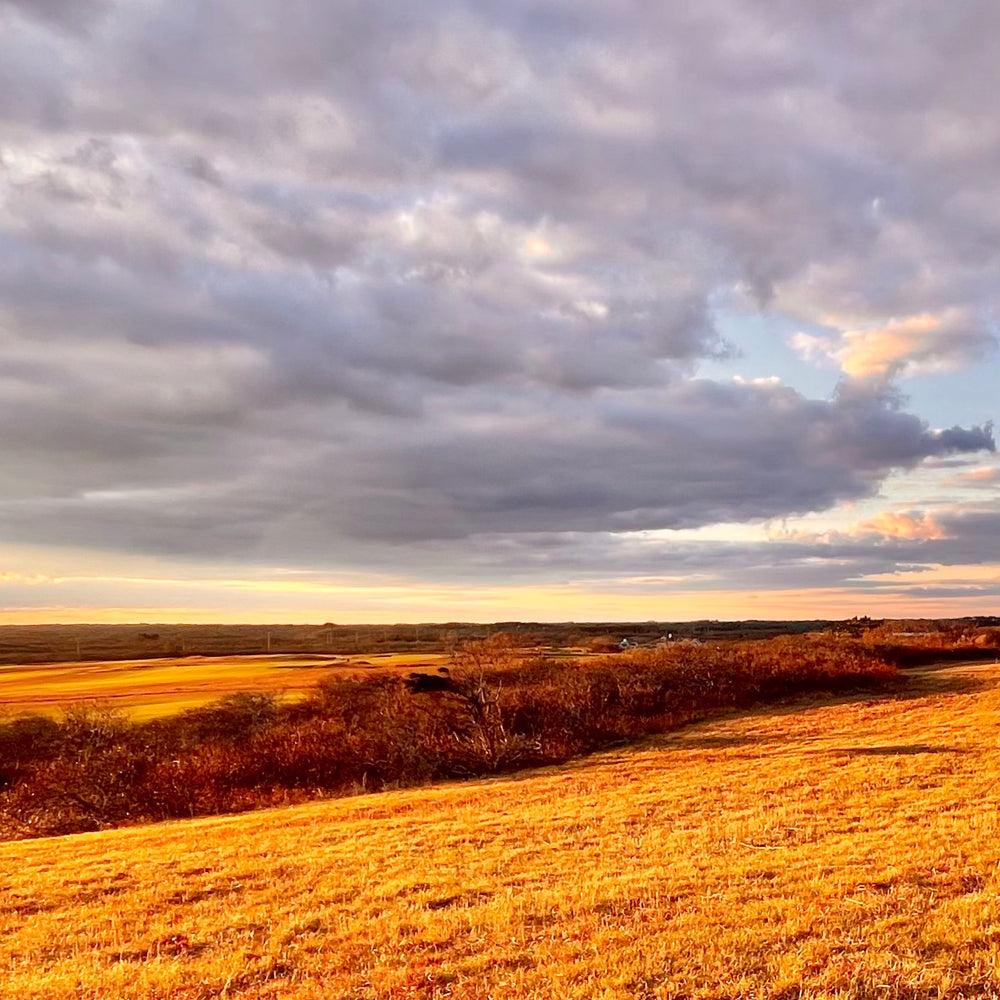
x: 910, y: 685
x: 715, y: 741
x: 904, y: 750
x: 939, y: 679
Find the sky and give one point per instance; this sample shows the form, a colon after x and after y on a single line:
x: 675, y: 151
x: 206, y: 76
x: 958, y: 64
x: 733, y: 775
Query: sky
x: 482, y: 310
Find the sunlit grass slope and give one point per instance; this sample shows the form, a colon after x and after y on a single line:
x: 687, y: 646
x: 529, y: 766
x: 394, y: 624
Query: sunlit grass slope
x: 828, y: 850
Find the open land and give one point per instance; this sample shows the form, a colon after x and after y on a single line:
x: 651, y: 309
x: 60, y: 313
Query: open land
x: 154, y: 687
x: 497, y: 707
x: 829, y: 848
x: 55, y: 643
x: 155, y: 670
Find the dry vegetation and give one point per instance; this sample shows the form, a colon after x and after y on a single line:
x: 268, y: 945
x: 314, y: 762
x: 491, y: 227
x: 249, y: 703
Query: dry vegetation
x: 156, y: 687
x: 832, y: 850
x: 495, y: 711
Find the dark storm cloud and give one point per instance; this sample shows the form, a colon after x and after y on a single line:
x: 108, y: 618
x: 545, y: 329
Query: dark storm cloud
x: 306, y: 280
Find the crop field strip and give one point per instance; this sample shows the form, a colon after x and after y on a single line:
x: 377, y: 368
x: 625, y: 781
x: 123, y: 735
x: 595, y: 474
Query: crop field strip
x: 847, y: 849
x: 160, y: 686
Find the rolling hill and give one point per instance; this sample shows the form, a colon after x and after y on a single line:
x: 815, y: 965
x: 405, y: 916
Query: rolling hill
x: 839, y: 848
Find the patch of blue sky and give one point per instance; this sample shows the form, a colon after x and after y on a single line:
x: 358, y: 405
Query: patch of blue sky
x: 967, y: 396
x: 761, y: 350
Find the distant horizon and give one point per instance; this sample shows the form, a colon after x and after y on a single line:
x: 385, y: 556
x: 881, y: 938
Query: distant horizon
x: 482, y: 622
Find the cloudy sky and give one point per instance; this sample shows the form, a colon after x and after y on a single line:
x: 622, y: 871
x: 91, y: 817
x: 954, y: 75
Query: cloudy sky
x: 487, y: 309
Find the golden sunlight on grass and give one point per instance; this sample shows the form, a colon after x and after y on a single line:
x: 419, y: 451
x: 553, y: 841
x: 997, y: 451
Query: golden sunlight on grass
x: 154, y: 687
x: 826, y: 850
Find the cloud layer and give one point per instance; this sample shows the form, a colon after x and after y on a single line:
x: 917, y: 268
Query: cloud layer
x: 334, y: 283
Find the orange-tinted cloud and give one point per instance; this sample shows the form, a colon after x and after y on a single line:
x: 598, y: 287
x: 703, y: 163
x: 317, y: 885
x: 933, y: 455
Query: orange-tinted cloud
x: 881, y: 352
x: 911, y: 345
x: 890, y: 524
x: 983, y: 476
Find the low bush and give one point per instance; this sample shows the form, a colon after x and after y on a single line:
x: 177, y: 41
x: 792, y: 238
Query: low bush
x: 494, y: 710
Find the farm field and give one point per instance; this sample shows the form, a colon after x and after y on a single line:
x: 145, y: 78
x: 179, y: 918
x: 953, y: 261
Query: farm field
x: 148, y: 688
x: 826, y: 849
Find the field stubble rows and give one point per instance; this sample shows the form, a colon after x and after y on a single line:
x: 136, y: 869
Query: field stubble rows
x: 151, y: 688
x: 847, y: 849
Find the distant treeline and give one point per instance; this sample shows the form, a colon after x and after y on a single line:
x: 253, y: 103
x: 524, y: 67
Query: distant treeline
x: 496, y: 709
x: 53, y: 643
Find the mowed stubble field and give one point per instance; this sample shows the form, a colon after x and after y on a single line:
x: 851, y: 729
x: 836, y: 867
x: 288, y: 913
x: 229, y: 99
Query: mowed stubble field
x: 830, y: 849
x: 153, y: 687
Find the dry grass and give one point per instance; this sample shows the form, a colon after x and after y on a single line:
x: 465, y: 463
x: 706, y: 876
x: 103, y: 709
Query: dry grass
x: 832, y: 850
x: 151, y: 688
x: 498, y: 710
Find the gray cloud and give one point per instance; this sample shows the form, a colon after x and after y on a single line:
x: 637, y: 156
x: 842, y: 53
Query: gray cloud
x: 307, y: 280
x: 286, y: 485
x: 68, y: 15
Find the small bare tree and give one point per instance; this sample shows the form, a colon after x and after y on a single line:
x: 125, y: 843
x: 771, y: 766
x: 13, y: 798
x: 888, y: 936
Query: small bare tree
x: 477, y: 682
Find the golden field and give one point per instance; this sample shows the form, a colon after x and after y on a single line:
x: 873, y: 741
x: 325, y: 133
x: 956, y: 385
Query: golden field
x: 828, y: 849
x: 148, y: 688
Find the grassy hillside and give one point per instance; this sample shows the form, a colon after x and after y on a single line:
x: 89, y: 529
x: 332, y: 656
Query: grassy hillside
x: 500, y: 709
x: 828, y: 850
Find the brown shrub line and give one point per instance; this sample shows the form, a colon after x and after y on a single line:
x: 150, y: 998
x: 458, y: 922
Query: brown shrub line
x: 495, y: 710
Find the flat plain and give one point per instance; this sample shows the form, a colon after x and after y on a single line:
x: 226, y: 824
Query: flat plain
x: 147, y: 688
x: 823, y: 849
